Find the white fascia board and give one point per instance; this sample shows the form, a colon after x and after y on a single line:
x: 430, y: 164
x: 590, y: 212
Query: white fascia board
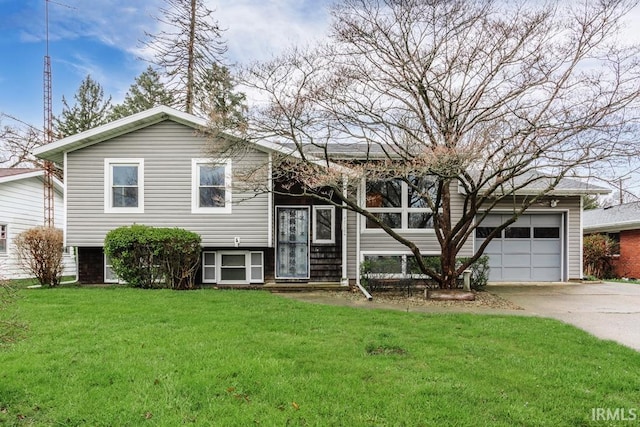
x: 17, y: 177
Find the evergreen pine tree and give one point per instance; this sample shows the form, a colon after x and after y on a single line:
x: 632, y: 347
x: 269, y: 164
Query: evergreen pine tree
x: 147, y: 92
x: 89, y: 111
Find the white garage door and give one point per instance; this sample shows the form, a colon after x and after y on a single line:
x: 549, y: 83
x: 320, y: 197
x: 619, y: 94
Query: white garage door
x: 530, y: 250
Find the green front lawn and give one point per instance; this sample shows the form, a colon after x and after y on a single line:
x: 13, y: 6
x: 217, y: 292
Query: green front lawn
x: 119, y: 356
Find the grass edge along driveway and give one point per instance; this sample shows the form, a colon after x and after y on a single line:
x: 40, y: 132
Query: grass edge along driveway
x: 120, y: 356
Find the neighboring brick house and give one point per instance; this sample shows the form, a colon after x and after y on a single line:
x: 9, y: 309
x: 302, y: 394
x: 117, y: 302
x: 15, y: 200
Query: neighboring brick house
x: 622, y: 224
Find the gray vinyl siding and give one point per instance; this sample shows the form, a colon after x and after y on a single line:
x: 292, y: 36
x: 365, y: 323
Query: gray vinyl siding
x: 571, y: 207
x: 167, y: 149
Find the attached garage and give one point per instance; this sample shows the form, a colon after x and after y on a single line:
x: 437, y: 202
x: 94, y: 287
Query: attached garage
x: 530, y: 250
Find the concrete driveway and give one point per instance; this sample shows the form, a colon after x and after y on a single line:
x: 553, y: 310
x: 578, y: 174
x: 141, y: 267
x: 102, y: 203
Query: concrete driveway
x: 607, y: 310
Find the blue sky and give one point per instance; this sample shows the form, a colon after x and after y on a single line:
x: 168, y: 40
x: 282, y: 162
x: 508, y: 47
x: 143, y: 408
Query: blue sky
x: 101, y: 38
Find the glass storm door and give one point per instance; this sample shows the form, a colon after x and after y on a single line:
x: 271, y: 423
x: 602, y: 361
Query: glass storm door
x: 292, y: 260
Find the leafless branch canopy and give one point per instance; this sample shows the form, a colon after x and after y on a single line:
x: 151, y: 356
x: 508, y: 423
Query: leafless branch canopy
x: 487, y: 96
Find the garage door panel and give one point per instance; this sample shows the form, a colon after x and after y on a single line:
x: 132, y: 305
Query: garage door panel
x: 494, y: 248
x: 518, y: 260
x: 547, y: 274
x: 532, y: 256
x: 546, y: 220
x: 517, y: 246
x: 544, y: 261
x: 516, y: 273
x: 546, y: 247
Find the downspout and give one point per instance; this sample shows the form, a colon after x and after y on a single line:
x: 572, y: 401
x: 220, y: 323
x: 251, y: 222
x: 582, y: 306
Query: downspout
x: 270, y: 202
x: 64, y: 224
x: 345, y: 273
x: 358, y: 258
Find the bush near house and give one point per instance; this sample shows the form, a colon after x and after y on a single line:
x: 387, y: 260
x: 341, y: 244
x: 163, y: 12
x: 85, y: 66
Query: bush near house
x: 40, y: 252
x: 597, y: 252
x: 152, y: 257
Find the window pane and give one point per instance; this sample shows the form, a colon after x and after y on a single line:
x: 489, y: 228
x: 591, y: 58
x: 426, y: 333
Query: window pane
x: 233, y: 260
x: 483, y: 232
x: 425, y: 187
x: 256, y: 258
x: 125, y: 197
x: 212, y: 175
x: 3, y: 238
x: 392, y: 219
x: 546, y: 232
x: 420, y: 220
x: 212, y: 197
x: 256, y: 273
x: 384, y: 194
x: 209, y: 273
x: 385, y: 264
x: 429, y: 260
x: 233, y: 274
x: 517, y: 233
x: 210, y: 258
x: 125, y: 175
x: 323, y: 224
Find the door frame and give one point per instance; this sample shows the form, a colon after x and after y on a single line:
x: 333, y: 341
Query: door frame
x: 277, y: 227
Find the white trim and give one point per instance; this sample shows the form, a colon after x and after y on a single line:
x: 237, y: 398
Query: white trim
x: 215, y: 266
x: 317, y: 208
x: 6, y: 238
x: 270, y: 202
x: 251, y: 265
x: 344, y: 213
x: 218, y: 254
x: 581, y: 238
x: 195, y: 186
x: 108, y: 194
x: 404, y: 210
x: 403, y: 254
x: 104, y: 273
x: 65, y: 197
x: 308, y: 242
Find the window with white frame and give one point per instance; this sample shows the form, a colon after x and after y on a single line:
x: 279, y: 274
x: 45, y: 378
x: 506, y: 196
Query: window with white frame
x: 211, y: 186
x: 232, y: 267
x: 324, y: 224
x: 400, y: 204
x: 3, y: 238
x: 124, y: 185
x: 110, y: 276
x: 209, y: 267
x: 396, y: 265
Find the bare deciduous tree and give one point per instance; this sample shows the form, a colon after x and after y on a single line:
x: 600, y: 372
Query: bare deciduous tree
x: 16, y: 143
x: 483, y: 97
x: 188, y: 42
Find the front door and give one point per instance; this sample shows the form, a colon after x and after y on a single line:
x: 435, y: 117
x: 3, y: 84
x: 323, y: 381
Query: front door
x: 292, y: 247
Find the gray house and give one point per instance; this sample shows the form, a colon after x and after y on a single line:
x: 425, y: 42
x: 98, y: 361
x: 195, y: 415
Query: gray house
x: 154, y: 168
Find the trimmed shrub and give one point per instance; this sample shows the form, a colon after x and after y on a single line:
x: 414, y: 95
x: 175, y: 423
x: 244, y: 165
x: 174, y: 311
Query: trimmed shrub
x: 151, y: 257
x: 39, y: 252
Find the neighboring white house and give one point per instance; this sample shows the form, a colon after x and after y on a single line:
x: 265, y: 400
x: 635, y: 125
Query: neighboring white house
x: 21, y: 208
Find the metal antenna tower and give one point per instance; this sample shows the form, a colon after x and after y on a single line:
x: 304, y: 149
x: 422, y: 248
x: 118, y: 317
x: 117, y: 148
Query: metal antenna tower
x: 49, y: 203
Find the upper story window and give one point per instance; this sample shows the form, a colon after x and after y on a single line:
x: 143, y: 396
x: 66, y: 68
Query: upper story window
x: 400, y: 205
x: 124, y: 185
x: 211, y: 186
x: 3, y: 239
